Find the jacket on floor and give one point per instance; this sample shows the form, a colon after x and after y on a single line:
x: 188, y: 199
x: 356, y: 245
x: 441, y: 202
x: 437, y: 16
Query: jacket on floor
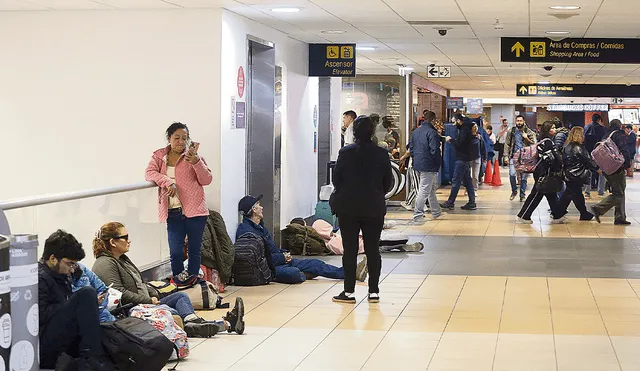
x: 53, y: 291
x: 425, y: 148
x: 362, y: 177
x: 577, y: 160
x: 217, y: 248
x: 120, y: 272
x: 190, y: 180
x: 275, y: 255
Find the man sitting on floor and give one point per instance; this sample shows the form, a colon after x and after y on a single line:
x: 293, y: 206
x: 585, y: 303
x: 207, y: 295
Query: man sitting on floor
x: 287, y: 269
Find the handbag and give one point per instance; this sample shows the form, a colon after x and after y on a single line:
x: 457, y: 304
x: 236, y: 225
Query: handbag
x: 549, y: 183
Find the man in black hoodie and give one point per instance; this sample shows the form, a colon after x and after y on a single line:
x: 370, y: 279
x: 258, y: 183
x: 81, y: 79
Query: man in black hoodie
x: 617, y: 180
x: 462, y: 171
x: 594, y: 133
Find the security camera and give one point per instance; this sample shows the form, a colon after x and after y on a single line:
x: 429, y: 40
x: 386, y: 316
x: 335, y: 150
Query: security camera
x: 443, y: 31
x: 432, y: 64
x: 548, y: 68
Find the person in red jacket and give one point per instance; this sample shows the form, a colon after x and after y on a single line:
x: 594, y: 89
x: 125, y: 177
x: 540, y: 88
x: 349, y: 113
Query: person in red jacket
x: 181, y: 175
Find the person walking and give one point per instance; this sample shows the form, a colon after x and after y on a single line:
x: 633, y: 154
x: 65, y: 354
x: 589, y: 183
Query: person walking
x: 427, y: 160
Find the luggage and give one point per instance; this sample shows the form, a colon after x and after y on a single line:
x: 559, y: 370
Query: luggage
x: 135, y: 345
x: 203, y: 295
x: 161, y: 288
x: 250, y: 265
x: 303, y: 240
x: 607, y: 156
x: 163, y: 321
x: 323, y: 211
x: 525, y: 160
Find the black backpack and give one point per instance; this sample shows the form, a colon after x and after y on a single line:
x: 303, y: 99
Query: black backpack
x: 250, y: 264
x: 135, y: 345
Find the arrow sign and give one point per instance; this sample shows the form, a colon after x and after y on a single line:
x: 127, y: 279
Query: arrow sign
x: 433, y: 72
x: 518, y: 48
x: 523, y: 90
x: 444, y: 71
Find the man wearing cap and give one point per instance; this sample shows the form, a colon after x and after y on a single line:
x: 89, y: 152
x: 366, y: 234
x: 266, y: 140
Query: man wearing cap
x: 287, y: 269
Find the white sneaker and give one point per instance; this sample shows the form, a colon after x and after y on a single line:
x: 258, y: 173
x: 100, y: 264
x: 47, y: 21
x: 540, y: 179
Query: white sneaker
x: 524, y: 221
x: 442, y: 215
x: 406, y: 206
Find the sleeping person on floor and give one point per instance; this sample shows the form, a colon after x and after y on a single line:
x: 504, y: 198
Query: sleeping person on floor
x: 287, y: 269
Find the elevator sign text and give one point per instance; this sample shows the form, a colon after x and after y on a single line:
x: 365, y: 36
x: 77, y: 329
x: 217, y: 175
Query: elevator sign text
x: 332, y: 60
x: 545, y: 50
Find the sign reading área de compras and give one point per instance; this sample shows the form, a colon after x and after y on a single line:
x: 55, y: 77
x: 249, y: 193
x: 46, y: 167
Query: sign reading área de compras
x: 545, y: 50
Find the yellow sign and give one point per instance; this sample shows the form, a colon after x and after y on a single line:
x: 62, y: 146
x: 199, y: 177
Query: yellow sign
x: 518, y: 48
x: 538, y: 49
x: 346, y: 52
x: 533, y: 90
x: 333, y: 52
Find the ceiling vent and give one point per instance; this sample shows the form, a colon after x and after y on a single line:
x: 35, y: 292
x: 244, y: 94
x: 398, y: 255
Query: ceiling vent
x: 563, y: 15
x: 438, y: 23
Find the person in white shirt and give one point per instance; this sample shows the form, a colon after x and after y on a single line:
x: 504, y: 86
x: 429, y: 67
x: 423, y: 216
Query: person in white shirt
x: 501, y: 140
x: 347, y: 128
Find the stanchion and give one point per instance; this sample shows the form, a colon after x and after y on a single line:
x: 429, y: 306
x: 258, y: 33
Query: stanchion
x: 24, y: 303
x: 488, y: 174
x: 5, y: 304
x: 496, y: 175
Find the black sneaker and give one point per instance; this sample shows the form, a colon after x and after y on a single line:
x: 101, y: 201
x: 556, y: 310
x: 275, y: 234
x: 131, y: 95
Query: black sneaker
x: 185, y: 280
x: 236, y: 317
x: 469, y: 207
x: 204, y: 329
x: 344, y: 298
x: 373, y: 297
x: 448, y: 206
x: 513, y: 195
x: 621, y: 222
x: 596, y: 214
x: 523, y: 197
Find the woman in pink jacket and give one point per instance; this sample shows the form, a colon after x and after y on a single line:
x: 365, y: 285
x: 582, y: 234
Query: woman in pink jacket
x: 181, y: 176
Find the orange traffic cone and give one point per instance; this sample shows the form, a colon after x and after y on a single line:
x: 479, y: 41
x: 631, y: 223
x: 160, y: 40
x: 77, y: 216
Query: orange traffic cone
x: 488, y: 174
x: 496, y: 175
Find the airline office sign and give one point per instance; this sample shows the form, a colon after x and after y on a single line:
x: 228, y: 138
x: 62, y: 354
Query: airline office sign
x: 332, y: 60
x: 545, y: 50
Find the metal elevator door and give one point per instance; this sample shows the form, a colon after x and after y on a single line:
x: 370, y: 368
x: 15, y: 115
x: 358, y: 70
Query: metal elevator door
x: 262, y: 169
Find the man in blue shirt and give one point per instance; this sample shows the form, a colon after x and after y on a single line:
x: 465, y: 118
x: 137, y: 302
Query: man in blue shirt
x: 518, y: 137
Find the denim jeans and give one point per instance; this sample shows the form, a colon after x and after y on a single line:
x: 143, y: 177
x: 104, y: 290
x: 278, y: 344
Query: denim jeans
x: 512, y: 178
x: 427, y: 190
x: 476, y: 166
x: 294, y: 271
x: 179, y: 227
x: 602, y: 183
x: 180, y: 302
x: 461, y: 175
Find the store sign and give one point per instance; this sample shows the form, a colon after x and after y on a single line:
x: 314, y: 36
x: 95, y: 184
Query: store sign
x: 578, y: 108
x: 455, y: 103
x: 474, y: 106
x: 545, y: 50
x: 578, y: 90
x: 327, y: 60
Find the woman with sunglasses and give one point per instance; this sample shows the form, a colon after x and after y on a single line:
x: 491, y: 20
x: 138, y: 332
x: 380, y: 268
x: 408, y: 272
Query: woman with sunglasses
x: 181, y: 175
x: 113, y: 266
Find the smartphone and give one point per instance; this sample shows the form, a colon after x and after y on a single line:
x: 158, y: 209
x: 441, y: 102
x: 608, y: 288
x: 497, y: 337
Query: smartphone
x: 107, y: 290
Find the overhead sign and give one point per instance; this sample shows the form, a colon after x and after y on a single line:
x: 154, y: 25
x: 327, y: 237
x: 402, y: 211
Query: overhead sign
x: 435, y: 72
x: 326, y: 60
x: 474, y: 106
x: 455, y: 103
x: 578, y: 108
x: 545, y: 50
x: 578, y: 90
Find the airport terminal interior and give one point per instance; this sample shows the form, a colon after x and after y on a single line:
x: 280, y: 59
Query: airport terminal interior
x: 88, y: 89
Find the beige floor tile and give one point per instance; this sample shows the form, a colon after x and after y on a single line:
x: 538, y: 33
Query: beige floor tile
x: 473, y: 325
x: 424, y: 324
x: 577, y: 324
x: 627, y: 351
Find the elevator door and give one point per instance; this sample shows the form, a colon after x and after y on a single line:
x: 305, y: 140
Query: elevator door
x: 261, y: 168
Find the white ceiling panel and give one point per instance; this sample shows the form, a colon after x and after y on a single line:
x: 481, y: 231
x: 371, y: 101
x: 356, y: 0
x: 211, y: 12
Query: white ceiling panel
x: 377, y: 12
x: 139, y: 4
x: 19, y: 5
x: 69, y: 4
x: 453, y: 32
x: 399, y: 32
x: 200, y: 3
x: 441, y: 10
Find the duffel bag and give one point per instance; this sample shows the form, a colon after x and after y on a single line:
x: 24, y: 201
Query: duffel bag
x: 203, y: 295
x: 161, y: 288
x: 163, y: 321
x: 607, y: 156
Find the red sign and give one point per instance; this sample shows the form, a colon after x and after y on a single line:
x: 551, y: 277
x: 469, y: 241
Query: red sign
x: 240, y: 82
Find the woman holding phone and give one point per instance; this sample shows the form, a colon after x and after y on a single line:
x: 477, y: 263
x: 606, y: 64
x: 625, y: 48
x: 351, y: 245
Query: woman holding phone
x: 181, y: 175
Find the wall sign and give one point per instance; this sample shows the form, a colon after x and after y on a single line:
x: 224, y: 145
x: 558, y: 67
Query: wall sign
x: 455, y: 103
x: 240, y: 115
x: 578, y: 107
x: 526, y: 49
x: 578, y: 90
x: 474, y: 106
x: 327, y: 60
x: 241, y: 82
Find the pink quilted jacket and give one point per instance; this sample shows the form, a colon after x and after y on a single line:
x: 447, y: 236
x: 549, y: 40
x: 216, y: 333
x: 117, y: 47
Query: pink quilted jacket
x: 190, y: 180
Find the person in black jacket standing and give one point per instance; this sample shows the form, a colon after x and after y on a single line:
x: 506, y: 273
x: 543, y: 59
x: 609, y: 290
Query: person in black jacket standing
x: 594, y: 133
x: 578, y: 166
x: 362, y: 176
x: 617, y: 180
x: 462, y: 170
x: 68, y: 321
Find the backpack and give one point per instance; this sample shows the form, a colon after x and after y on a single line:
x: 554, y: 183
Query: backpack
x: 607, y: 155
x: 135, y: 345
x: 525, y: 159
x: 250, y: 265
x: 162, y: 289
x: 303, y: 240
x: 163, y: 321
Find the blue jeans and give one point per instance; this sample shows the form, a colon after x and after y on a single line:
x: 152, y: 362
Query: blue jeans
x: 294, y: 272
x: 179, y: 227
x: 180, y: 302
x: 602, y: 183
x: 461, y: 175
x: 512, y: 179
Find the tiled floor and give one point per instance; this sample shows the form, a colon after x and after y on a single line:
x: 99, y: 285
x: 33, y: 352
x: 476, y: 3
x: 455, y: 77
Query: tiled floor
x: 485, y: 294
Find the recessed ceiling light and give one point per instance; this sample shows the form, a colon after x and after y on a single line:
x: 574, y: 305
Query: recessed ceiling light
x: 557, y: 32
x: 366, y: 48
x: 544, y: 82
x: 285, y: 10
x: 333, y: 32
x: 564, y: 7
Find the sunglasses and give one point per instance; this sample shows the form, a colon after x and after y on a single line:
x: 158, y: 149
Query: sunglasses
x: 125, y: 237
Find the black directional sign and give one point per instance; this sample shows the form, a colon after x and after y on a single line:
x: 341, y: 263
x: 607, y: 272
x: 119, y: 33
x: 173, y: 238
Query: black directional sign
x: 332, y: 60
x: 578, y: 90
x: 545, y: 50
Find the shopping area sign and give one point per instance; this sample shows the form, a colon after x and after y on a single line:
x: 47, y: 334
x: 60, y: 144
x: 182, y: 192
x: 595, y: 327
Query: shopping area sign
x: 577, y: 90
x: 545, y: 50
x: 332, y: 60
x: 455, y: 102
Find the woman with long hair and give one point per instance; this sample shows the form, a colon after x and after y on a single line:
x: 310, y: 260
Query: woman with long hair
x: 578, y: 166
x: 547, y: 176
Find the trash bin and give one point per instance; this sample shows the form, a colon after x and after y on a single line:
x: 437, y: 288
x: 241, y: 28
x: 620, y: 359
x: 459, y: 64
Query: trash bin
x: 24, y: 303
x: 5, y: 304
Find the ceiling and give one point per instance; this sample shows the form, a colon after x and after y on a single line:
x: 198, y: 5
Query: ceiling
x: 471, y: 50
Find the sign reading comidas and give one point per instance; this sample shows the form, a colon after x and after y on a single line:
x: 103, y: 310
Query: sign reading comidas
x: 326, y: 60
x: 578, y: 90
x: 526, y: 49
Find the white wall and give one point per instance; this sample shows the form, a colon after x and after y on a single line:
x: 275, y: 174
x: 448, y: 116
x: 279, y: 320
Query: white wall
x: 85, y: 98
x: 336, y: 116
x: 507, y: 111
x: 300, y: 95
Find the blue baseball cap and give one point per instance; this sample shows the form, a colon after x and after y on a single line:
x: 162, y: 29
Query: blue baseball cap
x: 246, y: 204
